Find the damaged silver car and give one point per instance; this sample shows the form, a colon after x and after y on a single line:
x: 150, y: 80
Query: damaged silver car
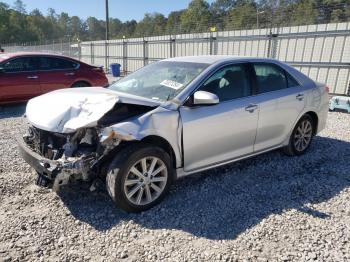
x: 170, y: 119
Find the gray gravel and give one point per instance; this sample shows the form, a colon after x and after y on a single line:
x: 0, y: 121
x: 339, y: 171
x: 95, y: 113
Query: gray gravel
x: 268, y: 208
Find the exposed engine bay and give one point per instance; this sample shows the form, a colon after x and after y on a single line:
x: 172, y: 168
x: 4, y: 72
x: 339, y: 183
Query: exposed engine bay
x: 74, y: 156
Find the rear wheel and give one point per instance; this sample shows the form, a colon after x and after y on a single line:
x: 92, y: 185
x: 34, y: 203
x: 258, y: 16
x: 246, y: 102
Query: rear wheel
x: 139, y: 177
x: 81, y: 84
x: 301, y: 137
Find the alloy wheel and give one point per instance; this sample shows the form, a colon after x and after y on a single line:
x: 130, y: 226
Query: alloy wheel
x: 145, y: 181
x: 303, y: 135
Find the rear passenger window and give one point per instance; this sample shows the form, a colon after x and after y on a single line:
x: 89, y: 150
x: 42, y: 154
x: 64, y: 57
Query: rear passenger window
x: 53, y: 63
x: 291, y: 81
x: 270, y: 78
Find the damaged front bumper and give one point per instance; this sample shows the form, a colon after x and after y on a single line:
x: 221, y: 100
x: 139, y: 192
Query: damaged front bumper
x: 53, y: 173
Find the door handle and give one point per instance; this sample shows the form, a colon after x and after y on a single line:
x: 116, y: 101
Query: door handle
x: 251, y: 108
x: 69, y: 74
x: 300, y: 97
x: 32, y: 77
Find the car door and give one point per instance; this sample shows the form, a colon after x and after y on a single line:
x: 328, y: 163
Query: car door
x: 221, y: 132
x: 281, y: 100
x: 56, y: 73
x: 19, y: 79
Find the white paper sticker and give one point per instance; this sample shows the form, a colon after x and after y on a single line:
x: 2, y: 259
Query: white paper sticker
x: 172, y: 84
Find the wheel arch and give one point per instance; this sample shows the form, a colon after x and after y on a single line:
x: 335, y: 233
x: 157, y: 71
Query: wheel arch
x: 81, y: 81
x: 162, y: 143
x: 310, y: 113
x: 314, y: 118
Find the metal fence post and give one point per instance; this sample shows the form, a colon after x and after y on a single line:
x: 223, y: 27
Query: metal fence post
x: 79, y: 49
x: 145, y: 51
x: 173, y: 46
x: 212, y: 44
x: 106, y: 56
x: 272, y: 45
x: 91, y: 52
x: 69, y: 48
x: 125, y: 56
x: 170, y: 47
x: 269, y: 44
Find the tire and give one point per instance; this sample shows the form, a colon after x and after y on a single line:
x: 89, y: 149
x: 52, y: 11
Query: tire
x: 121, y: 177
x: 295, y: 148
x: 81, y: 84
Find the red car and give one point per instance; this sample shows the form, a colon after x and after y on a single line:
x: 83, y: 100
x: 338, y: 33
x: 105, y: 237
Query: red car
x: 26, y: 75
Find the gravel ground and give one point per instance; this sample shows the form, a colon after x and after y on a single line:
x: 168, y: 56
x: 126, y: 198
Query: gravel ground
x: 268, y: 208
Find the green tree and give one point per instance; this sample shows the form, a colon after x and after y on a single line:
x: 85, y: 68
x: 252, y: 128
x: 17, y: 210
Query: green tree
x: 173, y: 22
x: 18, y: 29
x: 52, y: 19
x: 222, y: 7
x: 63, y: 21
x: 4, y: 22
x: 78, y: 28
x: 196, y: 17
x: 242, y: 16
x: 115, y: 28
x: 95, y: 28
x: 333, y: 10
x: 39, y: 26
x: 303, y: 12
x: 220, y: 10
x: 129, y: 28
x: 151, y: 24
x: 19, y: 6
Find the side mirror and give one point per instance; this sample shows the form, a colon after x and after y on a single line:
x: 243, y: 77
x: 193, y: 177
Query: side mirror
x: 2, y: 70
x: 205, y: 98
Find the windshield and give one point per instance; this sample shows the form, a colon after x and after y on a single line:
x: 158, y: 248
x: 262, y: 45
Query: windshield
x: 159, y: 81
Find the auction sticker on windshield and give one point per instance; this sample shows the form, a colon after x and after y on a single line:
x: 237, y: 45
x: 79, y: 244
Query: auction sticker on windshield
x: 172, y: 84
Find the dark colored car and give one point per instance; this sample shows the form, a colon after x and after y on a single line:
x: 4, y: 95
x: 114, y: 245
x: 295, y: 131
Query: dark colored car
x: 26, y: 75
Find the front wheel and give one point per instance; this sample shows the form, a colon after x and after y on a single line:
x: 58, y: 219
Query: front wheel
x: 301, y: 137
x: 139, y: 177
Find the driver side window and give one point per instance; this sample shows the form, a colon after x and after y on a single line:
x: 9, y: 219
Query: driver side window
x: 230, y: 82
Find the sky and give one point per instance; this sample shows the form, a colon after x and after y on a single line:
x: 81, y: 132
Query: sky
x: 121, y: 9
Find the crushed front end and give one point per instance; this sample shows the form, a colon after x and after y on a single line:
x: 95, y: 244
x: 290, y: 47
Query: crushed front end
x: 63, y: 158
x: 74, y: 134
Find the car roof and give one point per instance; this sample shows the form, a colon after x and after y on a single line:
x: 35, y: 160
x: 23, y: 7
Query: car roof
x: 19, y: 54
x: 212, y: 59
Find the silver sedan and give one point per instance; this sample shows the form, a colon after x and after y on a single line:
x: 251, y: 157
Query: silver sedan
x: 170, y: 119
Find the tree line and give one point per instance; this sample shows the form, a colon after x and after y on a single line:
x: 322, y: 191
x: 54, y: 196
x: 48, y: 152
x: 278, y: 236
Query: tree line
x: 19, y: 26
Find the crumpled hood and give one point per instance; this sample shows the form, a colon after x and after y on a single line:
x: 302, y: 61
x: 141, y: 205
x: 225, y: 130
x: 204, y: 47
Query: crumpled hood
x: 66, y: 110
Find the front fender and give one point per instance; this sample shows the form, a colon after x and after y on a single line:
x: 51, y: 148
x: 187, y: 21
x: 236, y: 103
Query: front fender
x: 160, y: 122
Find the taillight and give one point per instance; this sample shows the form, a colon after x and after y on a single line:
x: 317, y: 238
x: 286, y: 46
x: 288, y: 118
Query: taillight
x: 327, y: 89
